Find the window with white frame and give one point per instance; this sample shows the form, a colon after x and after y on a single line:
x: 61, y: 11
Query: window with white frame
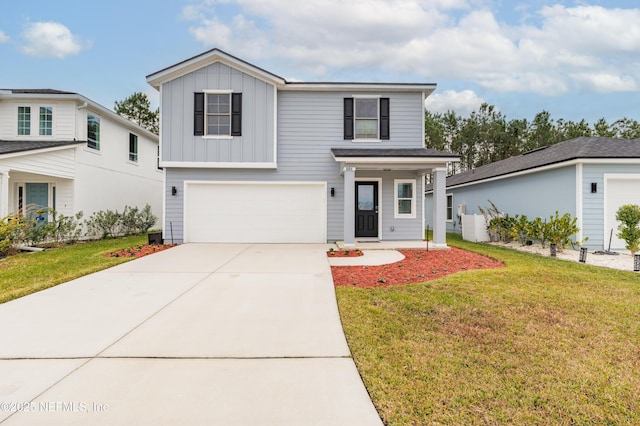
x: 93, y: 132
x: 24, y: 120
x: 218, y: 114
x: 405, y: 198
x: 133, y: 147
x: 366, y: 118
x: 449, y: 207
x: 46, y: 121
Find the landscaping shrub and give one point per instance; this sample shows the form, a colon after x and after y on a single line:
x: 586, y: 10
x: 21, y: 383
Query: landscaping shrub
x: 11, y: 232
x: 131, y: 221
x: 628, y: 229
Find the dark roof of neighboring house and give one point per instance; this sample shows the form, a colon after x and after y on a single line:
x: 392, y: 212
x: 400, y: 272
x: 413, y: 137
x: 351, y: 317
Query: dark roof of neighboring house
x: 40, y: 91
x: 397, y: 152
x: 9, y: 147
x: 573, y: 149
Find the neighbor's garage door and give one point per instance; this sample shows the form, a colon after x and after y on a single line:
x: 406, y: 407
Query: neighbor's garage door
x: 619, y: 191
x: 255, y: 212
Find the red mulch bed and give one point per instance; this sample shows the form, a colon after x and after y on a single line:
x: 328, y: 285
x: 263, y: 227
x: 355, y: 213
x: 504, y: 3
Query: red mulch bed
x: 139, y: 251
x: 418, y: 266
x: 344, y: 253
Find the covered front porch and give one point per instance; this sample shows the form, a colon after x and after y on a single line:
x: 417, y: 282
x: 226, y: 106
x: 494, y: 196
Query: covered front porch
x: 383, y: 195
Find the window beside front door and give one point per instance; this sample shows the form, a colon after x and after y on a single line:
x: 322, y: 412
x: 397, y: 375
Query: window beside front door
x: 366, y: 118
x: 405, y: 198
x: 24, y: 120
x: 217, y: 114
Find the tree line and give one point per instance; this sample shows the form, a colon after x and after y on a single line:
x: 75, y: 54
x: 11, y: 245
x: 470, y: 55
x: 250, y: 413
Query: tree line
x: 486, y: 136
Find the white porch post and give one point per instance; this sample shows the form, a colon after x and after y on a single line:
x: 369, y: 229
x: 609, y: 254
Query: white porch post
x: 439, y: 207
x: 4, y: 193
x: 349, y: 236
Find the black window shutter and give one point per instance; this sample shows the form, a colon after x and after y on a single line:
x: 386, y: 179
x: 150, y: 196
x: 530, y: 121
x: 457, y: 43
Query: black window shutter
x: 236, y: 114
x: 198, y: 114
x: 348, y: 118
x: 384, y: 118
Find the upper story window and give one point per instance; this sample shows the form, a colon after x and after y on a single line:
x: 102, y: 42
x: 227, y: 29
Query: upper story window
x: 217, y: 114
x: 133, y: 147
x: 46, y: 121
x: 93, y: 132
x: 24, y: 120
x: 366, y: 118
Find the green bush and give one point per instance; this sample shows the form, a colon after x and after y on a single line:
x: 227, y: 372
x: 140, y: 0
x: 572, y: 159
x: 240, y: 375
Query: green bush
x: 11, y: 232
x: 628, y: 229
x: 131, y: 221
x: 560, y: 229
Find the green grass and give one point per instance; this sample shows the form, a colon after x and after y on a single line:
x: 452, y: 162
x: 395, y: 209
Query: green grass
x: 30, y: 272
x: 540, y: 342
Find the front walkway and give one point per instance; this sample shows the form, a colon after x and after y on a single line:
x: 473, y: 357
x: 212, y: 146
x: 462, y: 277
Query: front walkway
x: 198, y: 334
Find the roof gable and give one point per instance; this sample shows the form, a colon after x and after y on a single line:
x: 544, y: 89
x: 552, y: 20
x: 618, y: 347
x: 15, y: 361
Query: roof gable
x: 573, y: 149
x: 207, y: 58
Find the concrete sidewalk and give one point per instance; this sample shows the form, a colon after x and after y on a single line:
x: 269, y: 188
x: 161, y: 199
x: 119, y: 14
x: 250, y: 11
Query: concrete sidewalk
x: 198, y: 334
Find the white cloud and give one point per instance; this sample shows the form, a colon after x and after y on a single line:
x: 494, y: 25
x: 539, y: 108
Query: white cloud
x: 50, y: 39
x: 552, y: 50
x: 463, y: 103
x: 4, y: 38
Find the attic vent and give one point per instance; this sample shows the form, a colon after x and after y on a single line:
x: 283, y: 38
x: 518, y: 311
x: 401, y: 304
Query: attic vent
x: 535, y: 150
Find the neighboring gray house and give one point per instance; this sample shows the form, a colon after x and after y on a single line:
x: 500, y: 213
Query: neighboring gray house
x: 590, y: 178
x: 251, y: 157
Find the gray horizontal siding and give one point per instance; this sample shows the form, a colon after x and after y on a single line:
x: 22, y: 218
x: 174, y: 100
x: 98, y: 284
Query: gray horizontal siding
x: 593, y: 209
x: 534, y: 195
x: 309, y: 125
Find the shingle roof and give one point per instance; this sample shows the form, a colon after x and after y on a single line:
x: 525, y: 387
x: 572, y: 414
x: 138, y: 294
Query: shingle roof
x: 40, y: 91
x: 573, y: 149
x: 397, y: 152
x: 9, y: 147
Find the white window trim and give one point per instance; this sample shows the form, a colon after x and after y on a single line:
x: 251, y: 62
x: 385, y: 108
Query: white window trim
x: 206, y: 127
x: 396, y: 214
x: 447, y: 208
x: 355, y: 139
x: 97, y: 149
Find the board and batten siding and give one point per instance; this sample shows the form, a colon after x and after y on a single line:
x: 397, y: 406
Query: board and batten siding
x: 258, y: 118
x: 537, y: 194
x: 309, y: 125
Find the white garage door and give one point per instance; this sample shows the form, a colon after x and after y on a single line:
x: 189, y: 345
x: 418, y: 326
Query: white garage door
x: 255, y: 212
x: 620, y: 190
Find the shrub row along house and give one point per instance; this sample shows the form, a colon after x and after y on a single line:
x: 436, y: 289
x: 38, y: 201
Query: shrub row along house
x: 62, y: 151
x: 251, y: 157
x: 587, y: 177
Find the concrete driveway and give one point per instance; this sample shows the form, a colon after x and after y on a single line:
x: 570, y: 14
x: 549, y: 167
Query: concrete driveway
x: 199, y: 334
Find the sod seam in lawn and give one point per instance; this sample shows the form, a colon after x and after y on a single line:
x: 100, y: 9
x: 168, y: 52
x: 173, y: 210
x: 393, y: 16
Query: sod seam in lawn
x: 541, y: 341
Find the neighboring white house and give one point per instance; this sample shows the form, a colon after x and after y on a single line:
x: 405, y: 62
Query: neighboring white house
x: 61, y: 150
x: 589, y: 178
x: 251, y: 157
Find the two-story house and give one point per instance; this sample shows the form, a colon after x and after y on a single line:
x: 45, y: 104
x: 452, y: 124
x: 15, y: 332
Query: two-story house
x: 251, y: 157
x: 61, y: 150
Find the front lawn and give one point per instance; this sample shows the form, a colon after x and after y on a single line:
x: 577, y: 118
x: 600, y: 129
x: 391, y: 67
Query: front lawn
x: 30, y: 272
x: 541, y: 341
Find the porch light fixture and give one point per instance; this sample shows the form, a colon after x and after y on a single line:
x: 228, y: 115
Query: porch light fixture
x: 583, y: 254
x: 594, y: 187
x: 174, y: 191
x: 333, y: 192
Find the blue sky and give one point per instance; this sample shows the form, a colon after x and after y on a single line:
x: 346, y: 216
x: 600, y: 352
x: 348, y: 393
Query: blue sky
x: 574, y: 59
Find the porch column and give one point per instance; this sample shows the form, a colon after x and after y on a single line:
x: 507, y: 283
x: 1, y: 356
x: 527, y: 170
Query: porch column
x: 439, y: 207
x: 349, y: 206
x: 4, y: 193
